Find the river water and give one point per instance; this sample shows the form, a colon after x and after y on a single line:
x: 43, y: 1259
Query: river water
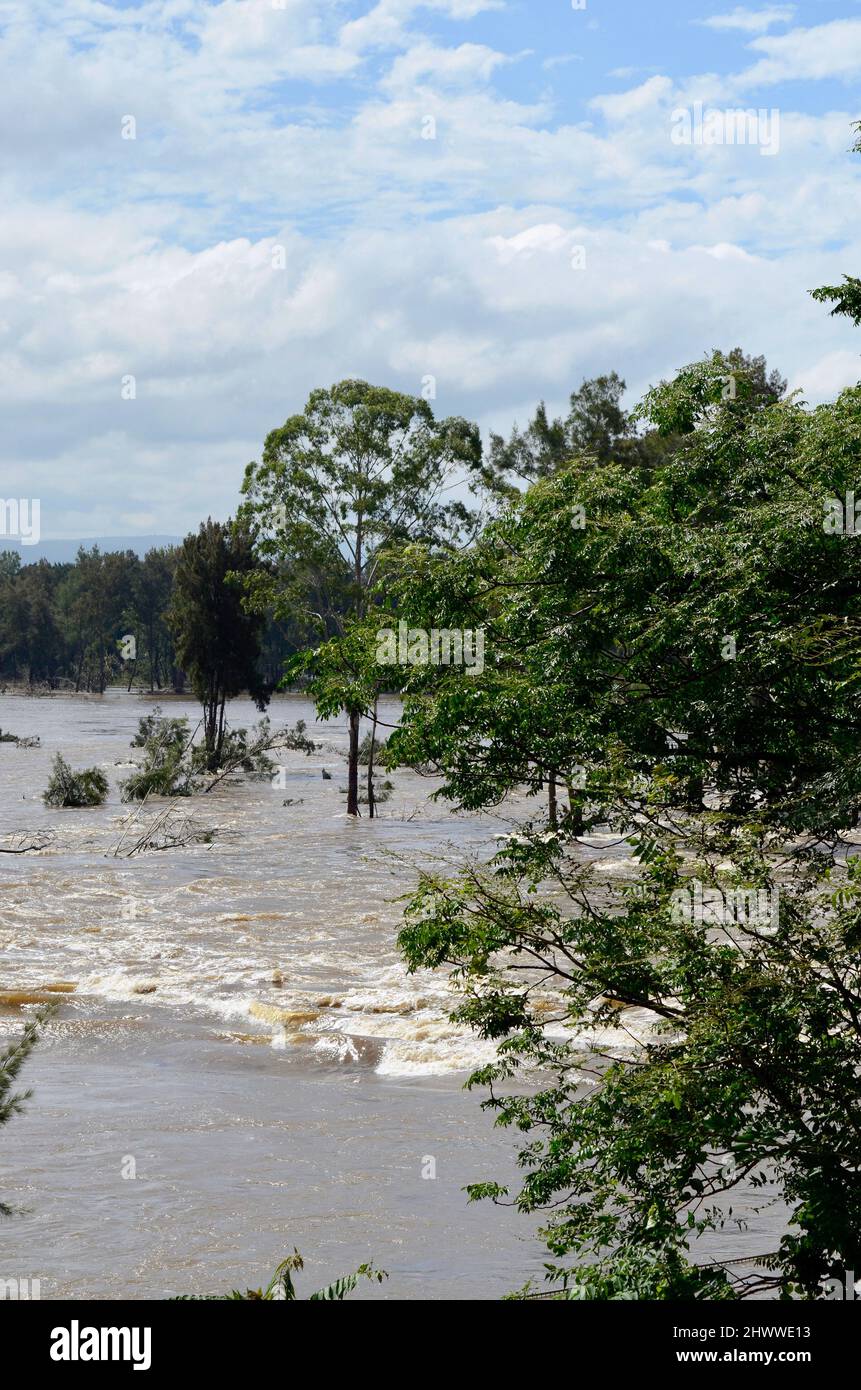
x: 240, y: 1064
x: 242, y: 1035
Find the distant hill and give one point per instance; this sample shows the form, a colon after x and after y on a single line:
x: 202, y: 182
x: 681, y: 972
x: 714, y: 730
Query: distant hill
x: 61, y: 552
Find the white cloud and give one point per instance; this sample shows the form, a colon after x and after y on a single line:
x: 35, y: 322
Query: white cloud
x: 403, y: 257
x: 223, y: 346
x: 443, y: 67
x: 561, y: 60
x: 547, y: 237
x: 726, y: 251
x: 622, y: 106
x: 386, y: 25
x: 824, y: 378
x: 827, y: 50
x: 751, y: 21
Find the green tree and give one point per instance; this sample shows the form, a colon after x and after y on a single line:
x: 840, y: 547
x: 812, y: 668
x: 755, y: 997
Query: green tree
x: 596, y: 425
x: 281, y: 1287
x: 12, y: 1059
x: 93, y: 600
x: 152, y: 587
x: 598, y: 428
x: 66, y: 788
x: 31, y: 642
x: 360, y: 471
x: 10, y: 564
x: 677, y: 646
x: 217, y: 641
x: 344, y: 674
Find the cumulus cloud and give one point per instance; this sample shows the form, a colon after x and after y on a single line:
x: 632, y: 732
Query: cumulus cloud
x: 749, y: 21
x: 387, y: 24
x: 443, y: 67
x: 621, y: 106
x: 826, y: 50
x: 260, y: 236
x: 823, y: 378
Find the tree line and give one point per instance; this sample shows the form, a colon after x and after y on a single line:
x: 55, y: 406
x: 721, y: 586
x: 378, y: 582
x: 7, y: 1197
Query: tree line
x: 104, y: 620
x: 289, y: 590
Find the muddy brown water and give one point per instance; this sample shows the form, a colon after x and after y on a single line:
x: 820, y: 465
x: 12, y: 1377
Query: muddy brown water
x: 240, y: 1063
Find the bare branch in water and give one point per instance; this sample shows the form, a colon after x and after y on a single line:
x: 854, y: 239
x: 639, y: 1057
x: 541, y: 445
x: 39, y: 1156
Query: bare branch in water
x: 173, y: 829
x: 26, y: 841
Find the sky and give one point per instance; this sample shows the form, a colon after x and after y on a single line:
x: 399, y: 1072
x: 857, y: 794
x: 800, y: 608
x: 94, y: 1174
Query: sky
x: 209, y: 209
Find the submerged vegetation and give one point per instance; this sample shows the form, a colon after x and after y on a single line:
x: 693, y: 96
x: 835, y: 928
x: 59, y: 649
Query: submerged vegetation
x: 12, y: 1059
x: 281, y: 1288
x: 174, y: 765
x: 167, y: 765
x: 87, y: 787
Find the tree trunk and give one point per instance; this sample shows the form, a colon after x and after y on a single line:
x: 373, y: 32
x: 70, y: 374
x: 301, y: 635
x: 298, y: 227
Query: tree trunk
x: 371, y: 803
x: 575, y: 812
x: 353, y: 765
x: 551, y: 799
x: 219, y: 745
x: 210, y: 715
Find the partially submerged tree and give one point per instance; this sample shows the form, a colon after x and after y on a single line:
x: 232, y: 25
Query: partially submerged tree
x: 217, y: 640
x: 12, y: 1059
x: 360, y: 471
x: 343, y: 673
x: 86, y: 787
x: 175, y: 766
x: 167, y: 768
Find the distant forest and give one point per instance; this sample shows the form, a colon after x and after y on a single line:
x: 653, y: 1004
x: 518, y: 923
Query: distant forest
x: 102, y: 621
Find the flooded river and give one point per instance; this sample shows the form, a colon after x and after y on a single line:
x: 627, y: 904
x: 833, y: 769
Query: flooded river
x: 241, y: 1035
x: 240, y: 1063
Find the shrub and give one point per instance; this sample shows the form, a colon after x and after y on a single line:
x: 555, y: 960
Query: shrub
x: 174, y: 766
x: 282, y: 1289
x: 365, y: 749
x: 166, y: 769
x: 89, y: 787
x: 243, y: 752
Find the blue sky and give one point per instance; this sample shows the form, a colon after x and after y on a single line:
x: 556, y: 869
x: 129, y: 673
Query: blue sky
x: 279, y: 221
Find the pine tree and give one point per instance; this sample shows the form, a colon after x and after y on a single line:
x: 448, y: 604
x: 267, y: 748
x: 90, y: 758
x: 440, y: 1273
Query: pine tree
x: 217, y: 641
x: 12, y: 1058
